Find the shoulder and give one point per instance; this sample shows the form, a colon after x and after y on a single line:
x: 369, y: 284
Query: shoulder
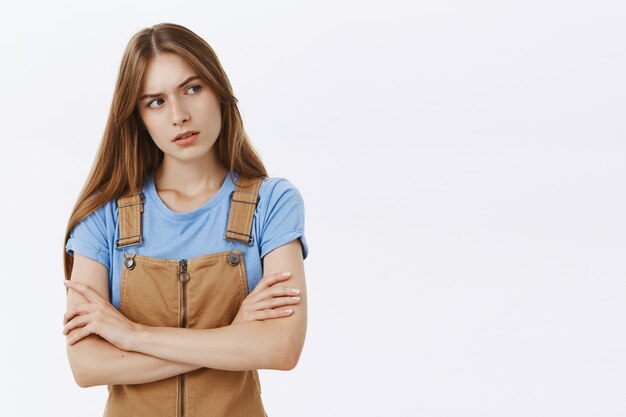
x: 102, y: 216
x: 280, y: 214
x: 92, y: 236
x: 99, y: 225
x: 273, y: 187
x: 279, y: 193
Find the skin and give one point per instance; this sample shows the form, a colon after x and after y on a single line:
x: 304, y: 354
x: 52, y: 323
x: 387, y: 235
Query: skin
x: 189, y: 176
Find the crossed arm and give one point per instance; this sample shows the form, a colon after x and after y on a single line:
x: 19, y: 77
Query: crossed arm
x: 154, y: 353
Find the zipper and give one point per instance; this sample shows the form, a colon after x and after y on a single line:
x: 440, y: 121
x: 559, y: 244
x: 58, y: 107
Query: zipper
x: 181, y: 379
x: 183, y: 278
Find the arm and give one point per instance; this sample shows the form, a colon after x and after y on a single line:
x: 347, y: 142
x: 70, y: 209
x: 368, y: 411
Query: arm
x: 93, y: 360
x: 102, y: 363
x: 269, y: 344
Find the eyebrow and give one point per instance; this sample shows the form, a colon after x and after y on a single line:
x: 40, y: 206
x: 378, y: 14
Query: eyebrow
x: 193, y: 77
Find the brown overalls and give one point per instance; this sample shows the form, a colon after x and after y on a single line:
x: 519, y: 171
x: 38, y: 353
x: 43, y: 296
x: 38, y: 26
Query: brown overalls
x: 200, y: 293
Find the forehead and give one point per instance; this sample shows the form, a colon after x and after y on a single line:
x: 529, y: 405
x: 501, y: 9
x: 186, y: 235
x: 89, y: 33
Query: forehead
x: 165, y: 71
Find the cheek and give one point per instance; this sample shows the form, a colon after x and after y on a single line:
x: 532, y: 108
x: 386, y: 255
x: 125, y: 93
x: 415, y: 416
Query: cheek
x: 146, y: 120
x: 155, y: 123
x: 154, y: 126
x: 149, y: 119
x: 158, y: 143
x: 212, y: 106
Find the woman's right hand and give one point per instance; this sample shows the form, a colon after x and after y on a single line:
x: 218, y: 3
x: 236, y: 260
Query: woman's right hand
x: 267, y: 301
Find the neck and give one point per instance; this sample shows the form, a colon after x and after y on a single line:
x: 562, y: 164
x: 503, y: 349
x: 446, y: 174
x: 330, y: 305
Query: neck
x: 190, y: 178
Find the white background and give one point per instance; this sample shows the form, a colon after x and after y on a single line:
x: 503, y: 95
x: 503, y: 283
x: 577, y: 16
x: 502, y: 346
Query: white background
x: 462, y: 166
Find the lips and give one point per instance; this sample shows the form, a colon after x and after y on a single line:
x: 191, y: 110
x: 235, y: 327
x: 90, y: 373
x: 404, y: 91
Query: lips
x: 184, y: 135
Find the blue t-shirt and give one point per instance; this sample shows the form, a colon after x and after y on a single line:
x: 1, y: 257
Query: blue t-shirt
x: 278, y: 219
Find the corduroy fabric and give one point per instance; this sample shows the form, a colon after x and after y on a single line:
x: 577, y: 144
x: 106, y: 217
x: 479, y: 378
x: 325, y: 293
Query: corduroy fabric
x: 154, y: 293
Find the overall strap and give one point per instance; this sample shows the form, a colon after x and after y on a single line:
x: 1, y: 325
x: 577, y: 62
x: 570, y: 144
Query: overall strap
x: 129, y: 215
x: 243, y: 202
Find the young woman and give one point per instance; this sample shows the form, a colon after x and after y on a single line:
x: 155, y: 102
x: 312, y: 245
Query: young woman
x: 178, y: 250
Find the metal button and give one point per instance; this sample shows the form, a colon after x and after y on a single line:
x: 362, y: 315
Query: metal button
x: 233, y: 258
x: 129, y: 263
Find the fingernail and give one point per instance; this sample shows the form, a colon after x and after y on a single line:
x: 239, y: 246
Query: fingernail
x: 295, y: 291
x: 286, y: 274
x: 288, y: 310
x: 295, y: 298
x: 67, y: 282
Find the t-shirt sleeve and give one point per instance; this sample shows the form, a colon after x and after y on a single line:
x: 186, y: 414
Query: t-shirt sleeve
x: 89, y: 238
x: 283, y: 218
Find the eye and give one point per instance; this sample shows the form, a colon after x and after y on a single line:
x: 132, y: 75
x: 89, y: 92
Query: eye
x: 149, y: 104
x: 199, y: 87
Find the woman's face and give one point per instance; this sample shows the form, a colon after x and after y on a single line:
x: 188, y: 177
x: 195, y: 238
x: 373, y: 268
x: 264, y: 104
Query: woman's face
x: 172, y: 103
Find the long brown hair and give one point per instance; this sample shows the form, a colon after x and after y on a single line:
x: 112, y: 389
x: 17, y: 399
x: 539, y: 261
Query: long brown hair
x: 127, y: 153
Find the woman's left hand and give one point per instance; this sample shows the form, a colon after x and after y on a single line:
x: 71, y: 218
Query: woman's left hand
x: 97, y: 316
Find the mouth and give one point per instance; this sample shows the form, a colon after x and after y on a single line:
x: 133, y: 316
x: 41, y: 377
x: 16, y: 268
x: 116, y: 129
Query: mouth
x: 185, y: 135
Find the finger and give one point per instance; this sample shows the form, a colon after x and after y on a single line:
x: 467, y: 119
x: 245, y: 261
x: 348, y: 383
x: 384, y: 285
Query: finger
x: 276, y: 302
x: 270, y: 280
x: 78, y: 334
x: 90, y: 294
x: 278, y: 290
x: 274, y: 314
x: 78, y: 321
x: 81, y: 308
x: 274, y: 291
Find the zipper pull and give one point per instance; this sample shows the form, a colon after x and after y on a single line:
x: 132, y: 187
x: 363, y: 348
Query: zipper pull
x: 183, y: 275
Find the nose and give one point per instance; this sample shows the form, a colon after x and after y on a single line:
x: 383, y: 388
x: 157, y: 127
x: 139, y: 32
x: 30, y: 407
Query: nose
x: 180, y: 114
